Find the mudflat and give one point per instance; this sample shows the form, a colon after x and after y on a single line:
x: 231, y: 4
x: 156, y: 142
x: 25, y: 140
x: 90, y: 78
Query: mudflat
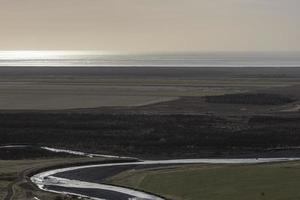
x: 48, y: 88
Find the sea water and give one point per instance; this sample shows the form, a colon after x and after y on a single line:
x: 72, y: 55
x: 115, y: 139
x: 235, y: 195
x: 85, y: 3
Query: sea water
x: 93, y: 58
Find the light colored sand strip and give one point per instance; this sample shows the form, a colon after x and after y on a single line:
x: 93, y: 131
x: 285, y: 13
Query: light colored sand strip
x: 13, y: 146
x: 79, y: 153
x: 82, y: 153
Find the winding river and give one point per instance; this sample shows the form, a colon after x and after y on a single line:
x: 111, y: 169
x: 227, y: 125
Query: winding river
x: 87, y: 181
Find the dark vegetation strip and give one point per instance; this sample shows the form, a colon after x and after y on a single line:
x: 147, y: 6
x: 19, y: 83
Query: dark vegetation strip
x: 148, y: 135
x: 251, y: 98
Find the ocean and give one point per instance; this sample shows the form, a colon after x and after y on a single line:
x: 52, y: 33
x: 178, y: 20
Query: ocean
x: 100, y: 59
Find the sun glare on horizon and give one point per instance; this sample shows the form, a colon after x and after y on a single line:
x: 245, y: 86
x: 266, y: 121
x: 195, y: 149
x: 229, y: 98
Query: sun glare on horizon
x: 23, y: 55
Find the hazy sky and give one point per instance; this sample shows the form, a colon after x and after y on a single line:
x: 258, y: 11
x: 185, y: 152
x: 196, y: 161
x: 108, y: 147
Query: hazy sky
x: 150, y: 25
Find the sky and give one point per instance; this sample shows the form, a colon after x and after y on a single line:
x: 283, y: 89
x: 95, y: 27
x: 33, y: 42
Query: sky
x: 150, y: 26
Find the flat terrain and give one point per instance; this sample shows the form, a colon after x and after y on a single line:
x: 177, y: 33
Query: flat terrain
x: 30, y: 88
x: 181, y: 123
x: 218, y: 182
x: 157, y: 113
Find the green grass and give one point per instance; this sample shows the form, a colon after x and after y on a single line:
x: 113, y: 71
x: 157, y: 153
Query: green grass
x: 253, y: 182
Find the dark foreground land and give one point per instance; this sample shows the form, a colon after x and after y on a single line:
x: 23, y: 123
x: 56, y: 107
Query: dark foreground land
x: 256, y: 115
x: 154, y: 135
x: 156, y: 114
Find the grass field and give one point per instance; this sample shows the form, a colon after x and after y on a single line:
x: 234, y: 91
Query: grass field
x: 213, y: 182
